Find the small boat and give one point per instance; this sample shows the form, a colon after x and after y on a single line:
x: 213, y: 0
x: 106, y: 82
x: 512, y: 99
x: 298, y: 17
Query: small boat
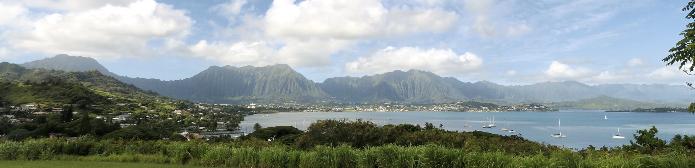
x: 605, y: 117
x: 511, y: 131
x: 559, y: 134
x: 492, y: 122
x: 618, y: 135
x: 506, y: 129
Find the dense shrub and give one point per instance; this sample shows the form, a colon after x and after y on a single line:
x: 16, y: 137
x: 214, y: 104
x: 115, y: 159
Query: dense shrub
x: 479, y: 150
x: 361, y: 134
x: 387, y: 156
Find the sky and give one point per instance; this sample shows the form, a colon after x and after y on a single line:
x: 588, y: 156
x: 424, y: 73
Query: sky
x: 503, y: 41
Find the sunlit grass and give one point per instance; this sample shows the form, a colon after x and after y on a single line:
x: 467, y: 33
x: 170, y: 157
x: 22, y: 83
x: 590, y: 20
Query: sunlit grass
x: 85, y: 164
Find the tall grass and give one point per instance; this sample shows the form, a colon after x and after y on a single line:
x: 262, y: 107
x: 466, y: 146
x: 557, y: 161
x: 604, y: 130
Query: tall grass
x: 265, y: 156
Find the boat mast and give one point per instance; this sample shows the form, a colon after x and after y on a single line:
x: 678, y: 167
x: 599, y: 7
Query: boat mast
x: 559, y: 128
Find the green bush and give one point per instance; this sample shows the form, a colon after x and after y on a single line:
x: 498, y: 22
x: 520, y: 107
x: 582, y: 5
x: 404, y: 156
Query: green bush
x: 216, y: 156
x: 263, y: 154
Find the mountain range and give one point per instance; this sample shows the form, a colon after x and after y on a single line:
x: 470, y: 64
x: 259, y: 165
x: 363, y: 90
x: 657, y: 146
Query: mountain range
x: 281, y: 83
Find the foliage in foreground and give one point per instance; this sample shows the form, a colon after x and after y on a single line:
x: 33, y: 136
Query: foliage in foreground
x: 355, y: 150
x: 245, y: 155
x: 73, y: 164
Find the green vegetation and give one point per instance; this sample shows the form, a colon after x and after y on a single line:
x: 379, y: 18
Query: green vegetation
x: 73, y: 164
x: 682, y: 53
x: 359, y: 148
x: 610, y: 103
x: 49, y: 88
x: 36, y: 103
x: 52, y: 92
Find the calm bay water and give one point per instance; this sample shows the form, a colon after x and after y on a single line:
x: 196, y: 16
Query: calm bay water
x: 583, y: 128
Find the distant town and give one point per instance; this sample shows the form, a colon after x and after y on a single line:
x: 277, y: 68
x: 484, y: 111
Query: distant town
x: 201, y: 117
x: 462, y: 106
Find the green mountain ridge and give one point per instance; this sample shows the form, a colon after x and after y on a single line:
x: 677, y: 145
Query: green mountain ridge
x: 244, y: 85
x: 56, y: 88
x: 609, y: 103
x: 281, y: 84
x: 399, y: 86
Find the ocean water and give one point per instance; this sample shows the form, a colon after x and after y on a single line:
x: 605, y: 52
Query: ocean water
x: 583, y: 128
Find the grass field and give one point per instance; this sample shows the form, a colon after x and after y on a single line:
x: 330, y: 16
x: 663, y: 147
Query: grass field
x: 84, y: 164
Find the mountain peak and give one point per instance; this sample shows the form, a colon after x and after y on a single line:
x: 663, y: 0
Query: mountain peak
x: 280, y: 66
x: 68, y: 63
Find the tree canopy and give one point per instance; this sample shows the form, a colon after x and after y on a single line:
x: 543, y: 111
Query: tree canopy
x: 683, y: 53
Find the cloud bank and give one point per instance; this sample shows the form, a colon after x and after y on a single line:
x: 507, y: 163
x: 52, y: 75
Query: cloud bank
x: 440, y: 61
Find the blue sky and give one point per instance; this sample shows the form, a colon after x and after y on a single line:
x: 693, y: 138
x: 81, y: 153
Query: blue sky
x: 504, y: 41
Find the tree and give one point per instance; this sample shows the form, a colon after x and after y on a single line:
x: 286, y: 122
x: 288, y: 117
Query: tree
x: 684, y: 51
x: 646, y: 140
x: 285, y: 134
x: 257, y: 126
x: 66, y: 114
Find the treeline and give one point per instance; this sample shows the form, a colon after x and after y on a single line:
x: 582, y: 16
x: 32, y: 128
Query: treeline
x: 67, y: 124
x: 334, y: 143
x: 361, y: 134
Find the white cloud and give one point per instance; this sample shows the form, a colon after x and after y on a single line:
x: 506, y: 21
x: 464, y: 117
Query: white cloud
x: 240, y: 53
x: 610, y: 77
x: 430, y: 2
x: 4, y: 54
x: 511, y: 72
x: 518, y: 29
x: 106, y: 32
x: 10, y: 13
x: 308, y: 33
x: 440, y: 61
x: 259, y: 53
x: 488, y: 21
x: 635, y: 62
x: 480, y: 9
x: 309, y: 53
x: 559, y: 70
x: 231, y: 7
x: 666, y: 73
x: 327, y: 19
x: 68, y: 5
x: 351, y: 19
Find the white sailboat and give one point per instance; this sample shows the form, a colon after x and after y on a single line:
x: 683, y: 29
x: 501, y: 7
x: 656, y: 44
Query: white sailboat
x: 491, y: 123
x: 559, y: 134
x: 488, y: 124
x: 618, y: 135
x: 505, y: 129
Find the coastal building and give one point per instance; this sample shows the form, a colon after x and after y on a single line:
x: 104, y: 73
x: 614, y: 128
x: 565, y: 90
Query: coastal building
x: 218, y: 134
x: 121, y: 118
x: 29, y: 107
